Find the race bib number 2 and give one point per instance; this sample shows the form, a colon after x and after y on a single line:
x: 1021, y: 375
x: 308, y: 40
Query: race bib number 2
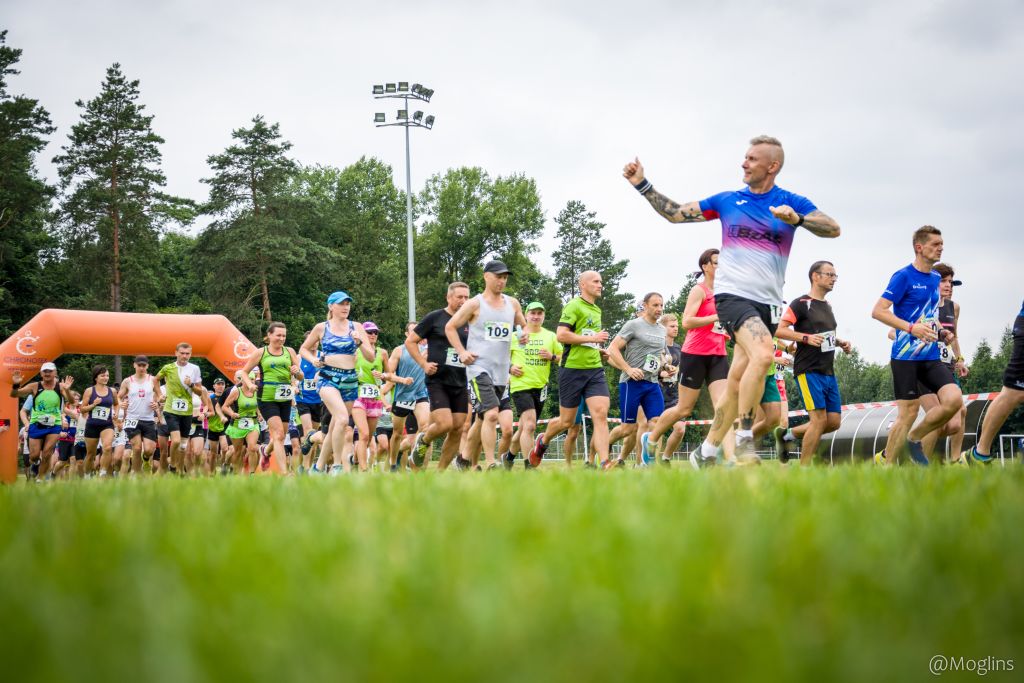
x: 498, y: 331
x: 246, y: 423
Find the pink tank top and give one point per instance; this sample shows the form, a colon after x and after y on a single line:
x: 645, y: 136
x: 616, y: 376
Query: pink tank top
x: 705, y: 341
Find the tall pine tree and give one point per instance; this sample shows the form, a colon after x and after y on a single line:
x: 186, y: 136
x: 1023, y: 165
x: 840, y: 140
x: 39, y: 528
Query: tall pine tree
x: 256, y: 240
x: 24, y: 198
x: 582, y: 247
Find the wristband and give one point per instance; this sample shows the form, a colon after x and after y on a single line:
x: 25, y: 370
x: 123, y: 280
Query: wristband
x: 644, y: 187
x: 799, y: 220
x: 805, y: 339
x: 910, y: 330
x: 16, y: 386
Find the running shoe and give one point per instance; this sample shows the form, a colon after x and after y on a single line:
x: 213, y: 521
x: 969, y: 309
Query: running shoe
x: 645, y: 456
x: 613, y: 463
x: 976, y: 456
x: 509, y: 460
x: 962, y: 461
x: 461, y: 464
x: 539, y: 448
x: 698, y: 462
x: 307, y: 445
x: 781, y: 447
x: 419, y: 450
x: 745, y: 454
x: 394, y: 467
x: 337, y: 470
x: 916, y: 452
x: 493, y: 466
x: 879, y: 458
x: 666, y: 462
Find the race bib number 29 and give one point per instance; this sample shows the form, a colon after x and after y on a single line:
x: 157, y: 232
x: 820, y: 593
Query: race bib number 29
x: 284, y: 392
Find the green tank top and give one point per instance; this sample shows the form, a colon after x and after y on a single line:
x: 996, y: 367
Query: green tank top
x: 46, y: 408
x: 213, y: 420
x: 246, y: 405
x: 365, y: 368
x: 179, y: 398
x: 276, y: 371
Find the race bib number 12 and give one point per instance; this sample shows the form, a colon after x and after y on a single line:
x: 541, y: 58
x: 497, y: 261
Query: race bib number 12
x: 179, y: 405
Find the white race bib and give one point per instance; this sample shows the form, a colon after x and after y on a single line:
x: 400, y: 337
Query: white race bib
x: 284, y: 392
x: 131, y: 423
x: 652, y: 363
x: 246, y: 423
x: 120, y: 439
x: 309, y: 385
x: 543, y: 394
x: 498, y: 331
x: 452, y: 359
x: 369, y: 391
x: 776, y: 314
x: 717, y: 328
x: 179, y: 404
x: 829, y: 343
x: 405, y: 405
x: 945, y: 353
x: 587, y: 332
x: 101, y: 413
x: 46, y: 420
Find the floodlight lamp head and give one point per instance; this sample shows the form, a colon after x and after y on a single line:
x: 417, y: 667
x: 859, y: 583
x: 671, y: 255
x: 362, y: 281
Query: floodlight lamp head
x: 429, y: 121
x: 426, y: 93
x: 417, y: 117
x: 403, y: 115
x: 378, y: 90
x: 378, y: 117
x: 417, y: 88
x: 390, y: 88
x: 403, y: 86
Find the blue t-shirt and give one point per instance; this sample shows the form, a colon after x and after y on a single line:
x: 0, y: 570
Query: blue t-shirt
x: 915, y: 299
x: 755, y: 244
x: 1021, y: 310
x: 307, y: 390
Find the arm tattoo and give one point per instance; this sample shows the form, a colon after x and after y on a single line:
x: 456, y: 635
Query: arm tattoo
x: 673, y: 211
x: 821, y: 225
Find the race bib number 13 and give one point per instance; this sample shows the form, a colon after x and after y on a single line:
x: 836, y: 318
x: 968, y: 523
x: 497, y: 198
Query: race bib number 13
x: 100, y: 413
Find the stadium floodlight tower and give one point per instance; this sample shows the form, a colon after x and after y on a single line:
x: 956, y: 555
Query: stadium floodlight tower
x: 401, y: 90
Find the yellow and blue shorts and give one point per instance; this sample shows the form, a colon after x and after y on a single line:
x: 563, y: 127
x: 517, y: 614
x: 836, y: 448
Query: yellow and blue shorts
x: 820, y: 392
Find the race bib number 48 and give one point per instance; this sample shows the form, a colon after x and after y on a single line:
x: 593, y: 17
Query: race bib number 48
x: 498, y: 331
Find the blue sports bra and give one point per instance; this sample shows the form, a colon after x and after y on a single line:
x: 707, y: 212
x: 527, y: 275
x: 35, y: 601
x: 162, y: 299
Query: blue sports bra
x: 331, y: 343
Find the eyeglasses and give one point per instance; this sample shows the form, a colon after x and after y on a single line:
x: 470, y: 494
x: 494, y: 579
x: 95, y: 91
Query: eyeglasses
x: 834, y: 276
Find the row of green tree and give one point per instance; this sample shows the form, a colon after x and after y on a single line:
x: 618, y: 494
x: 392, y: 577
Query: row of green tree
x: 278, y: 236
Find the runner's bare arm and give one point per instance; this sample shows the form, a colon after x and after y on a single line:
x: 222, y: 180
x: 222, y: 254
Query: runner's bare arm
x: 250, y: 363
x: 673, y: 212
x: 461, y: 317
x: 816, y: 222
x: 308, y: 348
x: 693, y: 302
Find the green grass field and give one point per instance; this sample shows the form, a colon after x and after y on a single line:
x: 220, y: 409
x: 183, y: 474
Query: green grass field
x: 847, y: 573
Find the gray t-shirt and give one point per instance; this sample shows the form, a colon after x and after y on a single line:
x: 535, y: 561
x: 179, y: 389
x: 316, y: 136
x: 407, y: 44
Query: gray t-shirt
x: 645, y: 345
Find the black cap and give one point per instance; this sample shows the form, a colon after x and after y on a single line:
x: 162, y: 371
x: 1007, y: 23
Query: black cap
x: 141, y: 359
x: 497, y: 267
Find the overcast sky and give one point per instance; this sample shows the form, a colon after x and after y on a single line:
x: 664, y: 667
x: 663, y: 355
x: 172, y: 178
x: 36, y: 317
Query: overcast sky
x: 892, y: 114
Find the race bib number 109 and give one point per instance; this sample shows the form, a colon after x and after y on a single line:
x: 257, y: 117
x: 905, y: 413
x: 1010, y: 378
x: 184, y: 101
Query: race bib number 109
x: 498, y: 331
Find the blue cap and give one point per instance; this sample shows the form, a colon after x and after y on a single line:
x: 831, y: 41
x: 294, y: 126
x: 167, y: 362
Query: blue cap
x: 338, y: 297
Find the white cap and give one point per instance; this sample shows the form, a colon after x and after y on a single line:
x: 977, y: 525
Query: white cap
x: 48, y: 366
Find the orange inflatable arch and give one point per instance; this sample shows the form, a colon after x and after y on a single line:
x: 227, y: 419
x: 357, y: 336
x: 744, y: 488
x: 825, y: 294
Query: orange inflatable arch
x: 54, y: 332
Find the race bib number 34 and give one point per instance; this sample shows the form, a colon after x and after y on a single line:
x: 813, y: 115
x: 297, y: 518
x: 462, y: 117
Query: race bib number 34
x: 309, y: 385
x: 498, y: 331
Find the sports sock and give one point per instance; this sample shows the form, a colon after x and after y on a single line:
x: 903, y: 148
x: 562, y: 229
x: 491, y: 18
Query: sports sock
x: 708, y: 450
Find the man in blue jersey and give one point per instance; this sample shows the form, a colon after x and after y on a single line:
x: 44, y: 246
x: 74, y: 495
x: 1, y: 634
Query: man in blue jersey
x: 758, y: 226
x: 310, y: 408
x: 910, y: 305
x: 1011, y: 395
